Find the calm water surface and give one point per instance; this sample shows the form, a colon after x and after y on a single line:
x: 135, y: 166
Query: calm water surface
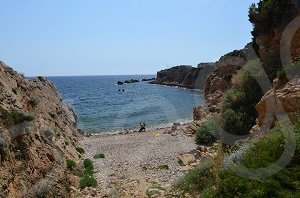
x: 101, y: 108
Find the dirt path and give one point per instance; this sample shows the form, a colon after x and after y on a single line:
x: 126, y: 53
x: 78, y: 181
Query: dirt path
x: 138, y: 164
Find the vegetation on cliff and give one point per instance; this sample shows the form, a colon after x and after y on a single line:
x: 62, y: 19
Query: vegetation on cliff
x: 267, y: 163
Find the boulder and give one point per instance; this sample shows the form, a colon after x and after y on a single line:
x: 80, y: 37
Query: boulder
x: 120, y: 83
x: 279, y: 102
x: 187, y: 159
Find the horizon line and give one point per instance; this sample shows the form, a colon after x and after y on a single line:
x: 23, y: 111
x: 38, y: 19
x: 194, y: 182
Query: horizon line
x: 88, y: 75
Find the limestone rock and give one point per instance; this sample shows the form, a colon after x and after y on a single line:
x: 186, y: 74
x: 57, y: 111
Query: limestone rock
x: 277, y: 103
x: 187, y: 159
x: 36, y: 144
x: 185, y: 76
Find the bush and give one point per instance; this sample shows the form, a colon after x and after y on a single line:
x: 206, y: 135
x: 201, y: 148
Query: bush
x: 238, y: 107
x: 236, y: 122
x: 205, y: 135
x: 196, y: 179
x: 99, y: 156
x: 222, y: 181
x: 14, y: 118
x: 70, y: 164
x: 88, y: 181
x: 80, y: 150
x: 264, y: 152
x: 88, y: 164
x: 233, y: 99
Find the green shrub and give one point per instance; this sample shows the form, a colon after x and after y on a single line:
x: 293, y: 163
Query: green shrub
x: 99, y: 156
x: 14, y: 118
x: 238, y: 107
x: 233, y: 99
x: 263, y: 153
x: 80, y: 150
x: 88, y: 164
x: 88, y: 181
x: 236, y: 122
x: 205, y: 134
x: 196, y: 179
x: 70, y: 164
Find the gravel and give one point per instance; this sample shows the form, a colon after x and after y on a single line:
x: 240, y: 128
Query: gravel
x: 138, y: 156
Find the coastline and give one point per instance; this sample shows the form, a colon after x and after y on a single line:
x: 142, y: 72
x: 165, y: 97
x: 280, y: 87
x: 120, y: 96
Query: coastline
x: 165, y: 127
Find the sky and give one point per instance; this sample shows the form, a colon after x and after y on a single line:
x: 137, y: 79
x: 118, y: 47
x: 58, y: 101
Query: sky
x: 115, y: 37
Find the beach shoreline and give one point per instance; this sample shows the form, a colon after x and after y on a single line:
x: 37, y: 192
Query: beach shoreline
x: 167, y: 127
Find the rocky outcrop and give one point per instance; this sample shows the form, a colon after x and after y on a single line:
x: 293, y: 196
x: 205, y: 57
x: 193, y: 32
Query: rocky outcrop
x: 278, y: 34
x: 220, y: 80
x: 185, y: 76
x: 279, y: 101
x: 127, y: 82
x: 148, y: 79
x: 37, y: 134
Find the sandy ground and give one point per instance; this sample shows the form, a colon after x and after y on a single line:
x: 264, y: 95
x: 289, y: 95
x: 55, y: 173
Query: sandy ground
x: 132, y: 163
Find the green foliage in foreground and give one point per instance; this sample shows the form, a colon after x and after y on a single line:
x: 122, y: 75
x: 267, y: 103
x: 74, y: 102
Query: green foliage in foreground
x: 197, y: 179
x: 99, y: 156
x: 222, y: 181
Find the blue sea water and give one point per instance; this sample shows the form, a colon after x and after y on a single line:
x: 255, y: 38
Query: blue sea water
x: 101, y: 108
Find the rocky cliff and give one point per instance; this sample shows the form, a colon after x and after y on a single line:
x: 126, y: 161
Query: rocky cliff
x: 276, y: 29
x: 219, y: 80
x: 37, y: 134
x: 185, y: 76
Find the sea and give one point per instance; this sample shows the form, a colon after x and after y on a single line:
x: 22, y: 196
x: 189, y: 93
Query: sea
x: 102, y: 106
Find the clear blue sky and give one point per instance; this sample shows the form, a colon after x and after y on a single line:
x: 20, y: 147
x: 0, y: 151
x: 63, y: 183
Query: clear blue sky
x: 100, y: 37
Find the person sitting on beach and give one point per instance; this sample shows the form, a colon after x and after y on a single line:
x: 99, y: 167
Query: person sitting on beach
x: 142, y: 127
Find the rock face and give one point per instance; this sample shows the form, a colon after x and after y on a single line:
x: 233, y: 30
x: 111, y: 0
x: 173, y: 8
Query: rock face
x: 220, y: 80
x: 37, y: 134
x: 277, y: 102
x: 274, y: 41
x: 185, y: 76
